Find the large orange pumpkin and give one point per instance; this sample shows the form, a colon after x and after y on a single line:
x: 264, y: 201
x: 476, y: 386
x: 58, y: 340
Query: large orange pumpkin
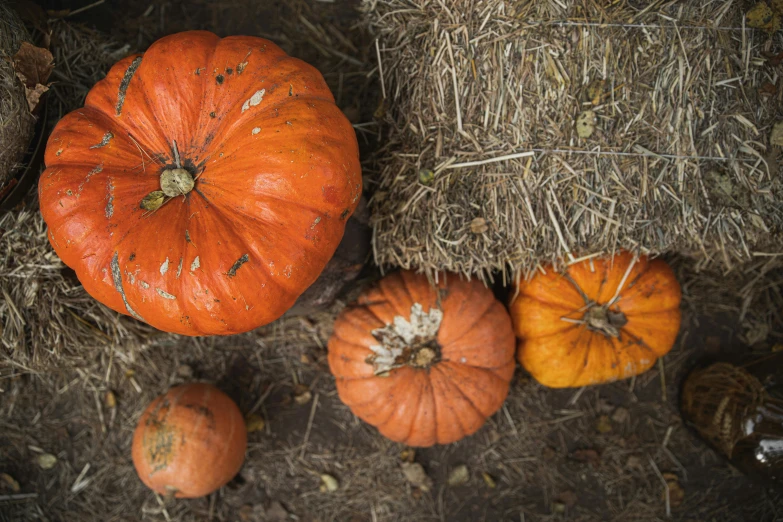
x: 601, y: 320
x: 189, y: 442
x: 424, y: 364
x: 204, y: 185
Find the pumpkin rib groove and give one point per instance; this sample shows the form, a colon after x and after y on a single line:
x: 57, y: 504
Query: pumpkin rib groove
x: 405, y: 404
x: 457, y: 382
x: 435, y: 410
x: 489, y: 306
x: 439, y: 396
x: 453, y: 385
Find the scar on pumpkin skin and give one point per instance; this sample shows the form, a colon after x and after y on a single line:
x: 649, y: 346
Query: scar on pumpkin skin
x: 110, y: 200
x: 125, y: 82
x: 238, y: 263
x: 195, y: 264
x: 179, y: 267
x: 254, y: 100
x: 105, y: 141
x: 164, y: 267
x: 165, y: 294
x: 117, y: 277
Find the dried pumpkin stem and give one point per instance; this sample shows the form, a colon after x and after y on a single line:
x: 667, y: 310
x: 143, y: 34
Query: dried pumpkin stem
x: 601, y: 319
x: 176, y: 182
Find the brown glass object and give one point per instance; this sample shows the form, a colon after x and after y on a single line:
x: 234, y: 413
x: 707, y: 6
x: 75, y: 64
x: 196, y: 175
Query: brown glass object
x: 738, y: 409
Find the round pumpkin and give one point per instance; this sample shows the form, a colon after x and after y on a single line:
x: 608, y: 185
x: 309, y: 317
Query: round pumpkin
x: 189, y: 442
x: 204, y: 185
x: 424, y: 364
x: 601, y: 320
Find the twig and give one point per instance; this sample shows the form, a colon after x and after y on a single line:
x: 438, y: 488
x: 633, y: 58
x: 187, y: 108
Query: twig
x: 309, y: 427
x: 490, y: 160
x: 665, y: 485
x: 85, y: 8
x: 380, y: 68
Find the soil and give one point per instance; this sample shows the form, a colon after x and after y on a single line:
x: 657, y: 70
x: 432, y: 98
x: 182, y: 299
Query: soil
x: 604, y: 453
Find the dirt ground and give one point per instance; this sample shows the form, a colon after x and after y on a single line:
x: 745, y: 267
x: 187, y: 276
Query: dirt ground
x: 604, y: 453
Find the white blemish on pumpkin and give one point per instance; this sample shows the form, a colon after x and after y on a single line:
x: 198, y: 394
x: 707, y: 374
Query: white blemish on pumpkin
x: 288, y: 270
x: 254, y: 100
x: 144, y: 284
x: 109, y: 200
x: 195, y: 264
x: 401, y: 334
x: 179, y: 267
x: 164, y: 294
x: 256, y: 130
x: 164, y: 267
x: 317, y: 220
x: 463, y: 360
x: 90, y: 174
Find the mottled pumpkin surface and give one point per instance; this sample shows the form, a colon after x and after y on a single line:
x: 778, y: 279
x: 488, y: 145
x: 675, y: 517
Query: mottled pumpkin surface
x: 189, y: 442
x: 424, y: 364
x: 274, y: 174
x: 601, y: 320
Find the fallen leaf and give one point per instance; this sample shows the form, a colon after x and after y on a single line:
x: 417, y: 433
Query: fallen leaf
x: 302, y: 394
x: 34, y: 94
x: 10, y: 482
x: 676, y: 493
x: 130, y: 373
x: 589, y: 456
x: 558, y: 507
x: 111, y: 400
x: 305, y: 359
x: 459, y: 476
x: 603, y: 425
x: 568, y: 498
x: 153, y: 200
x: 408, y: 455
x: 47, y: 461
x: 254, y: 423
x: 595, y: 91
x: 329, y: 483
x: 479, y: 225
x: 185, y: 371
x: 621, y: 416
x: 33, y: 65
x: 548, y: 453
x: 488, y: 480
x: 585, y: 124
x: 416, y: 475
x: 633, y: 462
x: 775, y: 59
x: 426, y: 176
x: 768, y: 89
x: 776, y: 136
x: 276, y: 513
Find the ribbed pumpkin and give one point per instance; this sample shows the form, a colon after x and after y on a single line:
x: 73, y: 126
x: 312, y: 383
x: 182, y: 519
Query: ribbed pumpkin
x: 424, y: 364
x: 204, y: 185
x: 601, y: 320
x: 189, y: 442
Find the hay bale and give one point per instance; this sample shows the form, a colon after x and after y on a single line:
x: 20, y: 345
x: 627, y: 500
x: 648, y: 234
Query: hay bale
x: 16, y: 122
x: 530, y: 132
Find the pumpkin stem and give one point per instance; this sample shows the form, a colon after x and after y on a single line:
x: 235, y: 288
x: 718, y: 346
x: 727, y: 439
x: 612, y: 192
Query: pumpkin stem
x: 407, y: 341
x: 601, y: 319
x: 176, y: 182
x: 424, y: 356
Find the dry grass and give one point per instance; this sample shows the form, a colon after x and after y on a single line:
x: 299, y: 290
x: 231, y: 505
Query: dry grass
x: 484, y: 170
x: 61, y: 352
x: 16, y: 122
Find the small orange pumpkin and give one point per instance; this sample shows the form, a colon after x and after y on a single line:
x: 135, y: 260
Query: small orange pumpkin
x: 600, y: 321
x: 189, y: 442
x: 424, y: 364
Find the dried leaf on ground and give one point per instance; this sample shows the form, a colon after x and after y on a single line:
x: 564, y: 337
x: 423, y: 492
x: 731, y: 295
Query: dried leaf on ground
x: 676, y: 493
x: 33, y: 65
x: 459, y: 476
x: 479, y: 225
x: 329, y: 483
x: 415, y: 474
x: 621, y: 416
x: 47, y: 461
x: 488, y: 480
x: 762, y: 16
x: 254, y: 423
x: 585, y: 124
x: 8, y: 482
x: 603, y: 425
x: 776, y: 137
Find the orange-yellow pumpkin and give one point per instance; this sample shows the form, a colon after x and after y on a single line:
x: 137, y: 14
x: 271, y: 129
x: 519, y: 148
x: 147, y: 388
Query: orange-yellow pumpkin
x: 204, y: 185
x: 601, y: 320
x: 424, y: 364
x: 189, y: 442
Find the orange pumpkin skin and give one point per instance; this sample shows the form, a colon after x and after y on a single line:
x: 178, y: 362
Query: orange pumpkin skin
x: 424, y: 365
x: 276, y: 170
x: 574, y: 332
x: 189, y: 442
